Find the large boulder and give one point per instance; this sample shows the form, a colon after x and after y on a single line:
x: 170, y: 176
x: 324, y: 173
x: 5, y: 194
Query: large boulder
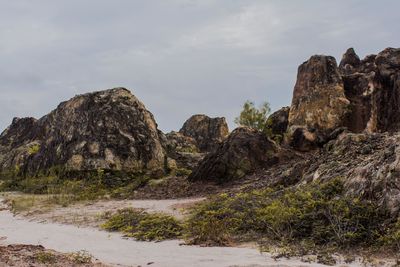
x: 109, y: 129
x: 207, y: 132
x: 244, y: 151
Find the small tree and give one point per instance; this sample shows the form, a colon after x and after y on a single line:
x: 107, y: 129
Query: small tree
x: 253, y: 117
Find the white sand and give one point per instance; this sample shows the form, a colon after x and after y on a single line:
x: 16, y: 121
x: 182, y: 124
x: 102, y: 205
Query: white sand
x: 113, y: 249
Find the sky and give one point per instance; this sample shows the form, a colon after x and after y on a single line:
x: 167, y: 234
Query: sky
x: 179, y: 57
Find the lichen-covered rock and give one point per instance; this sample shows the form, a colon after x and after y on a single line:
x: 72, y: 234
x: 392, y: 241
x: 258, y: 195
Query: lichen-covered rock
x: 277, y: 124
x: 319, y: 99
x: 368, y: 163
x: 244, y: 151
x: 181, y: 143
x: 183, y: 150
x: 362, y: 95
x: 109, y: 129
x: 207, y: 132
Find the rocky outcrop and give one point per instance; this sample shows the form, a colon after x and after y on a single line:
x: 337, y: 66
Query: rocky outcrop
x: 373, y: 89
x: 207, y: 132
x: 350, y: 59
x: 244, y: 151
x: 319, y: 99
x: 362, y: 95
x: 109, y: 129
x: 183, y: 151
x: 369, y: 164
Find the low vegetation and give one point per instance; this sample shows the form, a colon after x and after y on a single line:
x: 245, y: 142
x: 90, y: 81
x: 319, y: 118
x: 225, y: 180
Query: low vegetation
x: 297, y: 220
x: 65, y: 188
x: 144, y: 226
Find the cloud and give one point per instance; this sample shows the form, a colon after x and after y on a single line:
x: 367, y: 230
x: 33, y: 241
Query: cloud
x: 179, y: 57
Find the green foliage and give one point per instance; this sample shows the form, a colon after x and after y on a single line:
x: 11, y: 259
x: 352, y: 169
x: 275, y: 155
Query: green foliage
x: 253, y: 117
x: 144, y: 226
x: 392, y: 237
x: 79, y: 186
x: 318, y: 214
x: 44, y: 257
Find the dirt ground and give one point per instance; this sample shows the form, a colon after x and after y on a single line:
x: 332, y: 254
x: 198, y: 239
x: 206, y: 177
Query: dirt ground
x: 94, y: 213
x: 38, y: 256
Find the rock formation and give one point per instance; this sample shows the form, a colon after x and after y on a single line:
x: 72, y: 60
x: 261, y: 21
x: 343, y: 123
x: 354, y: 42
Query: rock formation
x: 244, y: 151
x: 207, y: 132
x: 109, y: 129
x: 183, y: 150
x: 362, y: 95
x: 277, y: 124
x: 373, y: 88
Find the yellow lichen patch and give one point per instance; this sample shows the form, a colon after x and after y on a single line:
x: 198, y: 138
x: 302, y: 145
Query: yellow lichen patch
x: 75, y: 162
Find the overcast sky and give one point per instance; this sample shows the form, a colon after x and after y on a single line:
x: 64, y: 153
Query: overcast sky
x: 180, y: 57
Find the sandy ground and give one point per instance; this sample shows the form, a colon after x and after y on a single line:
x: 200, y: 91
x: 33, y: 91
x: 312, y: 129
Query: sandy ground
x: 111, y: 248
x: 69, y: 229
x: 91, y: 213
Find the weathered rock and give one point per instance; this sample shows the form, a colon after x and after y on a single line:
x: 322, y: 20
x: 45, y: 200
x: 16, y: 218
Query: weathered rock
x: 103, y: 130
x: 244, y: 151
x: 373, y: 88
x: 368, y: 163
x: 183, y: 150
x: 319, y: 99
x: 362, y: 95
x: 180, y: 143
x: 278, y: 122
x: 207, y: 132
x: 350, y: 58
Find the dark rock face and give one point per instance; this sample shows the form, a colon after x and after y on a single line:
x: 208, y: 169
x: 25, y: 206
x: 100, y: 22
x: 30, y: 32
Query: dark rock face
x: 244, y: 151
x: 278, y: 121
x: 350, y: 58
x: 207, y: 132
x: 373, y: 88
x: 362, y: 95
x: 103, y: 130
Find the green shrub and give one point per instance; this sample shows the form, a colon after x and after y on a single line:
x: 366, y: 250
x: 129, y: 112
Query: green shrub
x: 144, y: 226
x: 392, y: 237
x: 156, y: 227
x: 318, y: 213
x: 45, y: 257
x: 123, y: 220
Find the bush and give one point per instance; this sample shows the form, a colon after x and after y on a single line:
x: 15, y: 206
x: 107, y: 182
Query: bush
x: 144, y: 226
x: 88, y: 185
x: 392, y: 237
x: 318, y: 214
x: 253, y: 117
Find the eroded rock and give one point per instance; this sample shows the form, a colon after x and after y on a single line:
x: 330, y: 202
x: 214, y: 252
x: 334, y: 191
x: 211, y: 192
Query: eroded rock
x: 109, y: 129
x: 244, y: 151
x: 207, y: 132
x: 278, y: 123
